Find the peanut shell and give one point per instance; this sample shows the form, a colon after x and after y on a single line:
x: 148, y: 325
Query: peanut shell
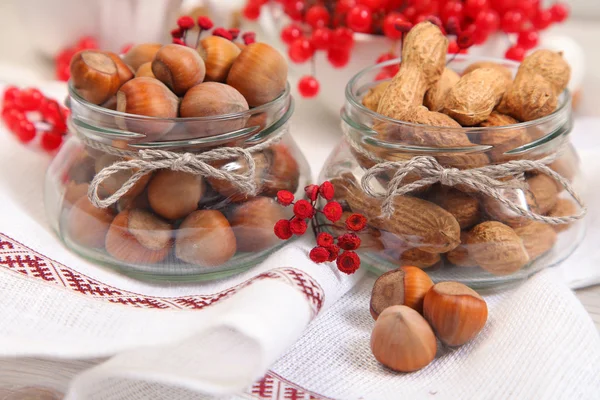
x: 529, y: 97
x: 425, y: 47
x: 371, y: 99
x: 497, y: 248
x: 549, y: 64
x: 405, y: 91
x: 503, y: 140
x: 436, y: 95
x: 490, y: 64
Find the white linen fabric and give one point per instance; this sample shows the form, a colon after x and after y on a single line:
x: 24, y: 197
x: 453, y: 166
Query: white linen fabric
x: 85, y: 332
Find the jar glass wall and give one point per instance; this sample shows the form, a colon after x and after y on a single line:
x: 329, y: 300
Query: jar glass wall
x: 175, y: 222
x: 437, y: 226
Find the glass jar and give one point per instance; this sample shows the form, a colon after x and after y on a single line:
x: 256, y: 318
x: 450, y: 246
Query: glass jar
x: 199, y: 196
x: 456, y: 230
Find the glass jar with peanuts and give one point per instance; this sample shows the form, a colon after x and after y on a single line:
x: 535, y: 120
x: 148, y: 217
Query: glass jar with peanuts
x: 453, y: 177
x: 174, y: 198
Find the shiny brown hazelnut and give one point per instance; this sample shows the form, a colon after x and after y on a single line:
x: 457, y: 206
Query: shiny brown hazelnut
x: 178, y: 67
x: 210, y: 99
x: 123, y: 70
x: 145, y: 70
x: 82, y: 170
x: 87, y: 225
x: 175, y: 194
x: 114, y: 182
x: 139, y: 237
x: 259, y: 73
x: 149, y: 97
x: 205, y: 238
x: 229, y: 190
x: 94, y: 75
x: 141, y: 54
x: 283, y: 172
x: 253, y: 223
x: 74, y: 191
x: 218, y: 54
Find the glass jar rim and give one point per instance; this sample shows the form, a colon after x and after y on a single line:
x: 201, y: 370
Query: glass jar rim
x: 224, y: 117
x: 355, y: 102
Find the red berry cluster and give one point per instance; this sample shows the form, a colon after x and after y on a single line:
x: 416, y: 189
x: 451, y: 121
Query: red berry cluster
x: 329, y: 25
x: 62, y: 61
x: 326, y: 250
x: 204, y: 23
x: 28, y: 113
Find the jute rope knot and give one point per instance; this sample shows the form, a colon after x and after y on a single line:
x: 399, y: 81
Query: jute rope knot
x: 485, y: 180
x: 146, y: 161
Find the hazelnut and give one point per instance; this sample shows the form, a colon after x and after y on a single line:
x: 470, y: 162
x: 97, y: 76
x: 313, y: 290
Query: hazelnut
x: 456, y: 312
x: 211, y: 99
x: 74, y: 191
x: 218, y: 54
x: 253, y: 223
x: 402, y: 340
x: 87, y: 225
x: 178, y: 67
x: 114, y: 182
x: 141, y: 54
x: 283, y: 172
x: 175, y: 194
x: 95, y: 76
x: 82, y: 170
x: 145, y: 70
x: 403, y: 286
x: 137, y: 236
x: 259, y: 73
x: 227, y: 189
x: 147, y: 96
x: 123, y: 70
x: 205, y: 238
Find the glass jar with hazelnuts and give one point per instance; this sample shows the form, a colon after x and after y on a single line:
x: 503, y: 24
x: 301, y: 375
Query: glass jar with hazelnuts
x: 176, y: 158
x: 462, y: 166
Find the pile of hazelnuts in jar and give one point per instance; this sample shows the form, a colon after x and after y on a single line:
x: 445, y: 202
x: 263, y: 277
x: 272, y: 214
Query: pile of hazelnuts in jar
x: 170, y: 217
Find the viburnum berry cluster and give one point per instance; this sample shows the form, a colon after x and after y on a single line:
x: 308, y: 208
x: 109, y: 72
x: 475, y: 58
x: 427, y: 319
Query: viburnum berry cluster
x: 185, y: 24
x: 329, y: 26
x: 340, y: 249
x: 28, y: 113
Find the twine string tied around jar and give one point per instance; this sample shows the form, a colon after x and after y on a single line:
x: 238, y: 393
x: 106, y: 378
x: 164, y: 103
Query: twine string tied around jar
x: 485, y: 180
x: 146, y: 161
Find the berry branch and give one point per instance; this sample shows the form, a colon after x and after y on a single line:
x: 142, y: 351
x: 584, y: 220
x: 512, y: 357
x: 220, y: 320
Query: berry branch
x: 340, y: 249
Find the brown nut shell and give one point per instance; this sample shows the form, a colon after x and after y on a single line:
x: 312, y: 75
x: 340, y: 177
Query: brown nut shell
x: 145, y: 70
x: 456, y: 312
x: 175, y: 194
x: 371, y: 99
x: 74, y: 191
x: 178, y: 67
x: 218, y: 54
x: 123, y: 70
x: 436, y: 95
x: 549, y: 64
x: 259, y: 73
x: 544, y: 191
x: 464, y: 207
x: 87, y: 225
x: 149, y: 97
x: 227, y: 189
x: 94, y: 76
x: 418, y: 258
x: 460, y: 255
x: 425, y: 46
x: 212, y: 99
x: 205, y: 238
x: 283, y: 172
x: 141, y: 54
x: 403, y: 286
x: 253, y: 223
x: 502, y: 140
x: 563, y: 208
x: 137, y: 236
x: 508, y: 75
x: 529, y: 97
x: 537, y: 238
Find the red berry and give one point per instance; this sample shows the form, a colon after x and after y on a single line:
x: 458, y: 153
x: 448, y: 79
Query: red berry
x: 125, y: 49
x: 321, y: 38
x: 177, y: 33
x: 324, y: 239
x: 317, y: 16
x: 343, y: 6
x: 285, y: 197
x: 348, y: 262
x: 10, y: 94
x: 410, y: 13
x: 383, y: 75
x: 542, y: 20
x: 12, y: 118
x: 298, y: 226
x: 338, y: 57
x: 205, y: 23
x: 319, y: 254
x: 301, y: 50
x: 178, y: 41
x: 234, y: 32
x: 528, y: 7
x: 474, y: 7
x: 30, y: 99
x: 559, y: 12
x: 342, y: 38
x: 465, y: 40
x: 404, y: 26
x: 186, y: 22
x: 282, y: 229
x: 453, y: 47
x: 373, y: 4
x: 360, y: 19
x: 87, y: 43
x: 349, y: 241
x: 487, y: 21
x: 385, y: 57
x: 389, y: 25
x: 290, y: 33
x: 51, y: 141
x: 25, y: 131
x: 356, y: 222
x: 326, y: 190
x: 294, y: 9
x: 312, y: 192
x: 512, y: 21
x: 451, y: 9
x: 528, y: 39
x: 333, y: 211
x: 303, y: 209
x: 453, y: 26
x: 308, y: 87
x: 516, y: 53
x: 333, y: 252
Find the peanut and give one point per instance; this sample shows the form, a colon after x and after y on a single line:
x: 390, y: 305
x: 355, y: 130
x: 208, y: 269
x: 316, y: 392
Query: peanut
x: 425, y: 46
x: 405, y: 91
x: 490, y: 64
x: 529, y: 97
x: 549, y: 64
x: 562, y: 208
x: 473, y: 98
x: 435, y: 96
x: 497, y: 248
x: 371, y: 99
x: 537, y: 238
x: 503, y: 140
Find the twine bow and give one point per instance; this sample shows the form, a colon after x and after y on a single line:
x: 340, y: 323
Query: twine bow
x: 485, y: 180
